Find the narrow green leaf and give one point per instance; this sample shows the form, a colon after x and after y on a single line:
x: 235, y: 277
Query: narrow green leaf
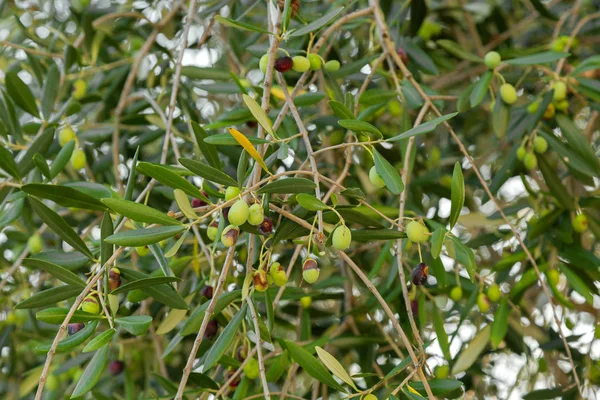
x: 72, y: 341
x: 578, y: 142
x: 51, y: 86
x: 554, y: 183
x: 224, y: 340
x: 458, y: 194
x: 577, y: 283
x: 437, y: 242
x: 318, y: 23
x: 209, y: 151
x: 170, y: 179
x: 311, y: 365
x: 420, y: 57
x: 541, y: 8
x: 106, y: 229
x: 140, y: 212
x: 334, y: 366
x: 20, y: 93
x: 8, y: 164
x: 42, y: 165
x: 259, y: 114
x: 225, y: 139
x: 40, y: 145
x: 239, y: 25
x: 163, y: 293
x: 92, y: 373
x: 388, y: 173
x: 99, y: 340
x: 144, y: 283
x: 62, y: 159
x: 423, y: 128
x: 476, y: 346
x: 367, y: 235
x: 135, y: 324
x: 56, y: 271
x: 184, y: 205
x: 500, y: 323
x: 144, y: 237
x: 207, y: 172
x: 200, y: 73
x: 289, y: 185
x: 56, y: 315
x: 60, y: 226
x: 456, y: 50
x: 441, y: 334
x: 50, y: 296
x: 310, y: 202
x: 64, y: 196
x: 340, y: 110
x: 540, y: 58
x: 480, y: 89
x: 465, y: 256
x: 192, y: 325
x: 360, y: 126
x: 175, y: 248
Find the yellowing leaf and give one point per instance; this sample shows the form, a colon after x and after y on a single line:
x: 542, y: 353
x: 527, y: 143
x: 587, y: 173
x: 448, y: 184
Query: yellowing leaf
x: 170, y: 322
x: 472, y: 352
x: 334, y: 366
x: 277, y: 92
x: 245, y: 143
x: 410, y: 389
x: 184, y: 204
x: 258, y: 113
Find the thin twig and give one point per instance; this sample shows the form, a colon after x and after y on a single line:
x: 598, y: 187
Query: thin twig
x: 261, y: 362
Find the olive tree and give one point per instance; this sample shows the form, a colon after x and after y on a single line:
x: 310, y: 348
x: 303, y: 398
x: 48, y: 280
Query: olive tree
x: 367, y: 199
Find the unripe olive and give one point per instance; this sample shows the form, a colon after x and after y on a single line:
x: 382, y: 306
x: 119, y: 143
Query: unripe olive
x: 494, y: 293
x: 142, y: 251
x: 375, y: 179
x: 370, y: 397
x: 441, y: 371
x: 238, y: 214
x: 521, y: 153
x: 332, y: 65
x: 260, y: 280
x: 79, y: 88
x: 305, y: 301
x: 78, y: 159
x: 560, y: 91
x: 34, y: 244
x: 251, y: 369
x: 277, y: 273
x: 416, y: 232
x: 342, y: 236
x: 533, y: 107
x: 550, y: 111
x: 230, y: 235
x: 91, y: 305
x: 540, y: 145
x: 492, y: 59
x: 315, y: 61
x: 256, y: 214
x: 212, y: 230
x: 456, y: 293
x: 562, y: 105
x: 231, y: 192
x: 530, y: 161
x: 263, y: 63
x: 508, y: 93
x: 310, y: 271
x: 241, y: 353
x: 114, y: 279
x: 482, y: 302
x: 580, y: 223
x: 300, y: 64
x: 66, y: 135
x: 553, y: 276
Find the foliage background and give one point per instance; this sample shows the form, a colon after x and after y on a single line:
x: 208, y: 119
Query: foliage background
x: 160, y: 76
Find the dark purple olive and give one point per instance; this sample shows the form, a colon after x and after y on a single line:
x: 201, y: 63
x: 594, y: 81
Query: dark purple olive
x: 116, y: 367
x: 414, y: 306
x: 284, y: 64
x: 75, y: 327
x: 419, y: 274
x: 211, y: 329
x: 266, y: 227
x: 114, y: 279
x: 207, y: 291
x: 198, y: 202
x: 241, y: 353
x: 251, y: 124
x: 234, y: 383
